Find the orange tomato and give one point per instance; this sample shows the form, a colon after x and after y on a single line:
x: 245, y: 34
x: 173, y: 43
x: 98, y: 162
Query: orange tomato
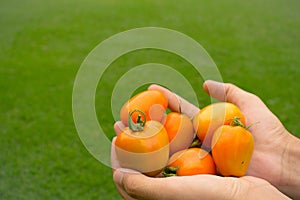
x: 232, y: 148
x: 212, y: 117
x: 146, y: 150
x: 191, y: 162
x: 152, y: 102
x: 180, y: 131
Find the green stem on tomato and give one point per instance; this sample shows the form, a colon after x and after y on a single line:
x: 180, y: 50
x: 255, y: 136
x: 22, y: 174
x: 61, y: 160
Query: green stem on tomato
x: 196, y: 143
x: 139, y: 125
x: 170, y: 171
x: 237, y: 122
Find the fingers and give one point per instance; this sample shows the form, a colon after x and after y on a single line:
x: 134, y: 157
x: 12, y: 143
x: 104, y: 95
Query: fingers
x: 224, y: 91
x: 173, y: 100
x: 135, y: 185
x: 113, y: 156
x: 215, y: 89
x: 233, y: 94
x: 118, y: 127
x: 251, y: 105
x: 139, y: 186
x: 115, y: 165
x: 176, y: 103
x: 118, y: 178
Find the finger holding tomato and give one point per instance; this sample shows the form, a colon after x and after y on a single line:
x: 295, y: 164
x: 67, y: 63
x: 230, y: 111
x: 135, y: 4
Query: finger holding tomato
x: 270, y: 138
x: 176, y: 103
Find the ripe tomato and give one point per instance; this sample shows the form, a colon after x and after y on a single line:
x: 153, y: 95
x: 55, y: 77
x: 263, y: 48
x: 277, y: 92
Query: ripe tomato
x: 212, y: 117
x: 152, y: 102
x: 232, y: 148
x: 180, y: 131
x: 190, y: 162
x: 145, y: 150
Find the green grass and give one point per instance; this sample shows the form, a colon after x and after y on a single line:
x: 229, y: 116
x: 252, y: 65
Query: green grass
x: 255, y: 44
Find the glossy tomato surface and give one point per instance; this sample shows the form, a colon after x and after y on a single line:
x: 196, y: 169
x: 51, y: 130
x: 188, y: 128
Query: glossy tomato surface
x: 192, y: 161
x: 232, y: 148
x: 180, y: 131
x: 212, y: 117
x: 146, y: 151
x: 152, y: 102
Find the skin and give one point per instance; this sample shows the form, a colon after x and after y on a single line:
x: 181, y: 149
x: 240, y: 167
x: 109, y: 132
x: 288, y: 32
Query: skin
x: 273, y: 171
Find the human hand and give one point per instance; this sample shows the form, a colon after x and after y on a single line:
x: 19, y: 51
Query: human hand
x: 134, y: 185
x: 272, y: 141
x: 274, y: 145
x: 271, y: 159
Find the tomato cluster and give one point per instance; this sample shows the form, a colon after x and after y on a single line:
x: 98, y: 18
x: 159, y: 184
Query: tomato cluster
x: 157, y: 141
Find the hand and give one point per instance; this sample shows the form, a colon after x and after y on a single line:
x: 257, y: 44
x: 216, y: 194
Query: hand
x: 274, y: 147
x: 134, y: 185
x: 272, y: 142
x: 138, y: 186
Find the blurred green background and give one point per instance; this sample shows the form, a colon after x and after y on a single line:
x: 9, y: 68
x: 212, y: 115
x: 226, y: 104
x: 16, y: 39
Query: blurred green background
x: 255, y: 44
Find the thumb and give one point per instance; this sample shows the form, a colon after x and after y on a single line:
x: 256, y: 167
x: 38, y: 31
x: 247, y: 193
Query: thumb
x: 135, y: 185
x: 225, y: 91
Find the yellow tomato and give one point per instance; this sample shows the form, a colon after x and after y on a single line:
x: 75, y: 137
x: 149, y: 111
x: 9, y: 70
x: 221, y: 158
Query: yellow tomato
x: 152, y: 102
x: 212, y: 117
x: 232, y: 148
x: 145, y: 150
x: 189, y: 162
x: 180, y: 131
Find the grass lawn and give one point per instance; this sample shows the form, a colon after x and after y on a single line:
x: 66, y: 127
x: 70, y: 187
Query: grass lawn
x: 255, y: 44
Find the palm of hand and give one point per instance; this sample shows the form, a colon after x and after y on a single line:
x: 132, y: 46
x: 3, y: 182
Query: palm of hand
x: 269, y: 134
x: 267, y: 130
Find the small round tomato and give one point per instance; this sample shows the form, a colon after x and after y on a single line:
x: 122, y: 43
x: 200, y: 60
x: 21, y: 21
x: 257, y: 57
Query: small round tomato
x: 212, y: 117
x: 190, y: 162
x: 180, y: 131
x: 144, y: 147
x: 152, y: 102
x: 232, y: 148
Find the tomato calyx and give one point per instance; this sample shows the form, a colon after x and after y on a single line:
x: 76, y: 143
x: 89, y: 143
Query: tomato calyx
x: 196, y: 143
x: 170, y: 171
x: 140, y: 121
x: 237, y: 122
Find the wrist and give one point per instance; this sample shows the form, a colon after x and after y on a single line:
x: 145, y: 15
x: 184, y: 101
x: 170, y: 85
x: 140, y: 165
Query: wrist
x: 290, y: 173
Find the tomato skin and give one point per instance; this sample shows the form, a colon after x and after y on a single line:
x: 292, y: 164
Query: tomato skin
x: 192, y: 161
x: 152, y: 102
x: 180, y: 131
x: 232, y: 148
x: 146, y: 151
x: 212, y: 117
